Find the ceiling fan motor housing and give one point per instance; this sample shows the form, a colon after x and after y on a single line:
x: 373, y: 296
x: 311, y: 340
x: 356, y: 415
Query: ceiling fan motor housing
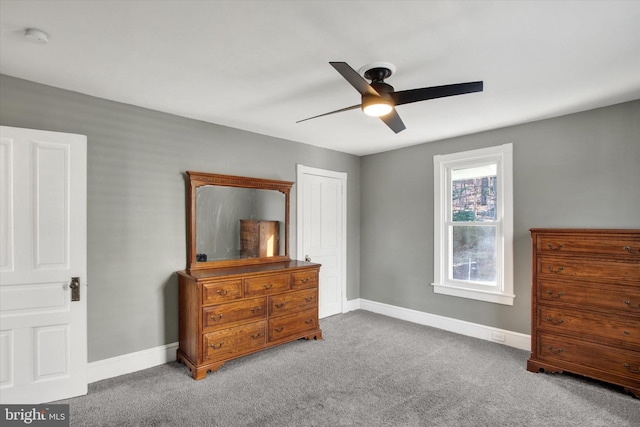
x: 378, y: 74
x: 382, y: 88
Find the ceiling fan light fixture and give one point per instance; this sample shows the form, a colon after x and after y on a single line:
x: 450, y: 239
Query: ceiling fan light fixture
x: 376, y: 106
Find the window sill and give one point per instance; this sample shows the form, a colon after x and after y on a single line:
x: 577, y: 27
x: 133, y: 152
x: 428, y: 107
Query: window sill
x: 455, y: 291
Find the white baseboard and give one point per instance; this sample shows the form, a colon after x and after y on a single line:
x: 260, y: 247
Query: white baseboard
x: 132, y: 362
x: 351, y: 305
x: 488, y: 333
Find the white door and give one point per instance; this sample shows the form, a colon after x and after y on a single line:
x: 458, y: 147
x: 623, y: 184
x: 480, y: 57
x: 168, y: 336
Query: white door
x: 321, y: 219
x: 43, y: 241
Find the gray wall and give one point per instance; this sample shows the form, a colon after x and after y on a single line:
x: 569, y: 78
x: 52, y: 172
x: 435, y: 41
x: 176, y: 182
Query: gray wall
x: 136, y: 201
x: 579, y: 170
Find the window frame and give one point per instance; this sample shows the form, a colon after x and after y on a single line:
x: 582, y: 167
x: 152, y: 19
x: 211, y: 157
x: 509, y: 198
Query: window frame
x: 502, y: 291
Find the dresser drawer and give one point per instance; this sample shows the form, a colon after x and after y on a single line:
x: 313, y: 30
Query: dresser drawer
x: 618, y: 246
x: 305, y: 279
x: 266, y: 284
x: 620, y: 330
x: 292, y: 302
x: 588, y: 269
x: 297, y: 323
x: 617, y: 299
x: 219, y: 315
x: 218, y: 292
x: 616, y: 361
x: 235, y: 340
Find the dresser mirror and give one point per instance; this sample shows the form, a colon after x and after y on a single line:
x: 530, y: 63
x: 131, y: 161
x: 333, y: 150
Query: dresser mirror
x: 236, y: 221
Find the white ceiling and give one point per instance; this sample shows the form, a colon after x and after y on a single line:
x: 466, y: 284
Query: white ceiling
x: 262, y: 65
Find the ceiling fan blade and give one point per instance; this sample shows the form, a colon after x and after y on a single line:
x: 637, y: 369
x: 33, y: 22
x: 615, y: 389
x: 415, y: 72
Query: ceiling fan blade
x: 355, y: 79
x: 414, y: 95
x: 353, y: 107
x: 394, y: 121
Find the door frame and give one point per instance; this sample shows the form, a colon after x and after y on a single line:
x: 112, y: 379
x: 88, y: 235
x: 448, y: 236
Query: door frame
x: 301, y: 171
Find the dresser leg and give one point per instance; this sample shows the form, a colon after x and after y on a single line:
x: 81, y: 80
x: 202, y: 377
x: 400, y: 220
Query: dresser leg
x: 200, y: 373
x: 317, y: 335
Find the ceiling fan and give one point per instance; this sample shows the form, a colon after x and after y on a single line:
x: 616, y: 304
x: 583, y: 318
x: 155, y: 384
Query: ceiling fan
x: 379, y: 99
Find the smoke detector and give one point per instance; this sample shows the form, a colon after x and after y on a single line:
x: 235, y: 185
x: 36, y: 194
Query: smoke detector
x: 36, y: 36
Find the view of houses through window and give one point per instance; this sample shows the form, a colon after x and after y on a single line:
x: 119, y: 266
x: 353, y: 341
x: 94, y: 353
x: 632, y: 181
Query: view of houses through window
x: 473, y: 223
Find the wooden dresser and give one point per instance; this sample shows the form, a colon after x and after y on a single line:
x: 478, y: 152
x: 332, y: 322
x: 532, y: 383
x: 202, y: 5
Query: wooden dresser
x: 585, y: 304
x: 225, y: 313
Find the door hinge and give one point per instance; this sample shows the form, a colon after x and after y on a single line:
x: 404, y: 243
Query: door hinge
x: 75, y: 289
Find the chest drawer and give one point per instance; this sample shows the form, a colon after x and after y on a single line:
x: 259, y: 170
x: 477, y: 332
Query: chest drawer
x: 305, y: 279
x: 618, y: 246
x: 266, y: 284
x: 292, y: 324
x: 235, y: 340
x: 217, y: 292
x: 292, y: 302
x: 620, y: 362
x: 617, y: 299
x: 588, y: 270
x: 621, y: 330
x: 219, y: 315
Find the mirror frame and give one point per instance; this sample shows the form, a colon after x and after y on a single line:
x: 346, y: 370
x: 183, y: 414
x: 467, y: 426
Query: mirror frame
x: 200, y: 179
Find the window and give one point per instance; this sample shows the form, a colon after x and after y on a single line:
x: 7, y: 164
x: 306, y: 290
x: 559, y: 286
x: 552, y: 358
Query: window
x: 473, y: 224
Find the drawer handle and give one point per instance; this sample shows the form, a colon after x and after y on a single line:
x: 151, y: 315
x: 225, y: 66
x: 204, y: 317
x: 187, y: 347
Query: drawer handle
x: 628, y: 302
x: 558, y: 351
x: 308, y: 321
x: 226, y: 291
x: 558, y: 270
x: 628, y: 249
x: 626, y: 332
x: 630, y: 369
x: 213, y: 346
x: 214, y: 317
x: 308, y: 299
x: 282, y: 304
x: 554, y: 322
x: 267, y: 285
x: 557, y: 248
x: 279, y: 328
x: 254, y: 309
x: 305, y: 280
x: 552, y: 295
x: 255, y: 336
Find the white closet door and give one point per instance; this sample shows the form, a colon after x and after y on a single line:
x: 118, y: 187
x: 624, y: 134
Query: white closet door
x: 322, y: 232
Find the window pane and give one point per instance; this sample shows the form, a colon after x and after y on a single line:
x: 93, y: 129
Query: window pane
x: 473, y: 194
x: 474, y: 253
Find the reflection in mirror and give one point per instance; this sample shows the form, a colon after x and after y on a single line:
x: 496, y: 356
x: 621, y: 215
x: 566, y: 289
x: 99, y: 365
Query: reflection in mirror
x: 219, y: 212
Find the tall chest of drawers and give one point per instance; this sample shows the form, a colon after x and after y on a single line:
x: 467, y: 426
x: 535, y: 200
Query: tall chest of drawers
x: 585, y: 304
x: 230, y: 312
